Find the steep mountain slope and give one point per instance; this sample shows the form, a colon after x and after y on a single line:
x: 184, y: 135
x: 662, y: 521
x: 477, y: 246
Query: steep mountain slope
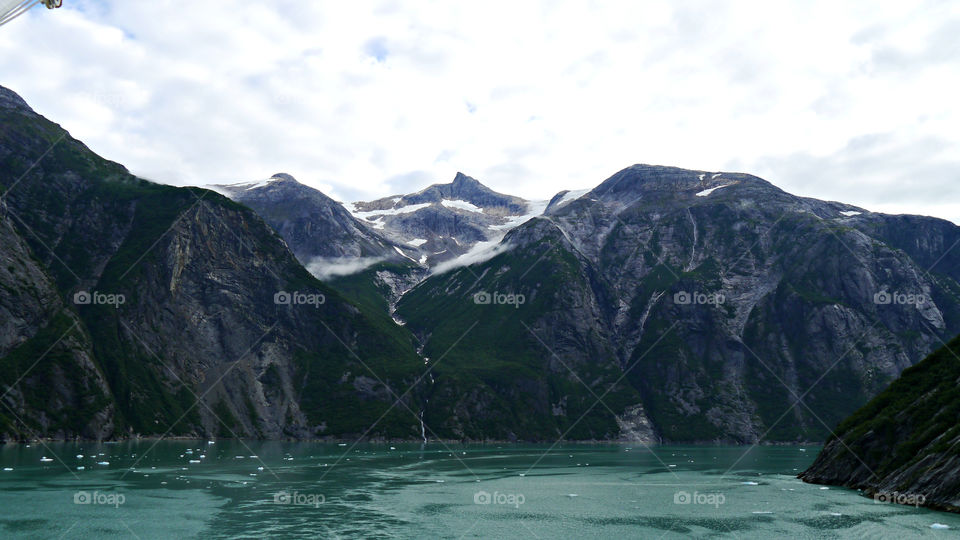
x: 712, y: 302
x: 664, y: 304
x: 44, y: 349
x: 386, y: 246
x: 445, y: 221
x: 904, y: 445
x: 333, y: 245
x: 181, y: 317
x: 318, y: 229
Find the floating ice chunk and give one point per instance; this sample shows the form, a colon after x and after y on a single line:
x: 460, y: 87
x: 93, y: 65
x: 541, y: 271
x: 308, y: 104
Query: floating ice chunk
x: 45, y: 459
x: 750, y: 483
x: 939, y: 526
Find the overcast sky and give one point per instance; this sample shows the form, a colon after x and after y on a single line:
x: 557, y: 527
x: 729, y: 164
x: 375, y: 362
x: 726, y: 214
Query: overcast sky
x: 849, y: 101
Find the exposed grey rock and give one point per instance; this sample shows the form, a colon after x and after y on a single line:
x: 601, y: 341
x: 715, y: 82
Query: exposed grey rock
x: 802, y: 316
x: 201, y: 345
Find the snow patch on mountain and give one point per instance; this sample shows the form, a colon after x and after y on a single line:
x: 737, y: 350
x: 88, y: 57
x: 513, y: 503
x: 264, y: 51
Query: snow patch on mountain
x: 230, y: 190
x: 373, y: 214
x: 572, y: 196
x: 534, y: 209
x: 707, y: 192
x: 462, y: 205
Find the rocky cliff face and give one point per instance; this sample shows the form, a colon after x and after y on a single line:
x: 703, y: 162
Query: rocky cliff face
x: 317, y: 228
x: 665, y: 304
x: 904, y: 445
x: 718, y: 305
x: 53, y: 386
x: 131, y: 308
x: 445, y: 221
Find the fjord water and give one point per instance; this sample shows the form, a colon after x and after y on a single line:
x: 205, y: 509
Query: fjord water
x: 234, y: 489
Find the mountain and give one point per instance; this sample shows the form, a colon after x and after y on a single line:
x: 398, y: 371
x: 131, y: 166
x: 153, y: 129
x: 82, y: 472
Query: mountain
x: 131, y: 308
x: 904, y: 445
x: 320, y: 232
x: 445, y: 221
x: 313, y: 224
x: 663, y: 305
x: 374, y: 252
x: 699, y: 306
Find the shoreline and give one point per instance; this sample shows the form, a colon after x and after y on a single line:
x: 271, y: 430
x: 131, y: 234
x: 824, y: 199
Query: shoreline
x: 409, y: 441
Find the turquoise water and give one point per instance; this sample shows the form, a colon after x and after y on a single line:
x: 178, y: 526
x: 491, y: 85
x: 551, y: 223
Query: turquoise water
x: 231, y: 489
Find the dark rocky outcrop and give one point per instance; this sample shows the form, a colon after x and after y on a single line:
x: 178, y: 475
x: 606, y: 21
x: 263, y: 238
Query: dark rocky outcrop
x: 904, y: 445
x: 818, y: 311
x: 204, y: 341
x: 663, y: 305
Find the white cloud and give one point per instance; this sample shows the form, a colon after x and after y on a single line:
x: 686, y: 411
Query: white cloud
x: 530, y: 98
x: 480, y: 252
x: 324, y: 268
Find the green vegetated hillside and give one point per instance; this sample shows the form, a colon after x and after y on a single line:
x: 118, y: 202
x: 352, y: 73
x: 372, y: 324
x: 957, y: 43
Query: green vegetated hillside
x: 663, y: 305
x: 905, y: 441
x: 621, y: 287
x: 198, y: 346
